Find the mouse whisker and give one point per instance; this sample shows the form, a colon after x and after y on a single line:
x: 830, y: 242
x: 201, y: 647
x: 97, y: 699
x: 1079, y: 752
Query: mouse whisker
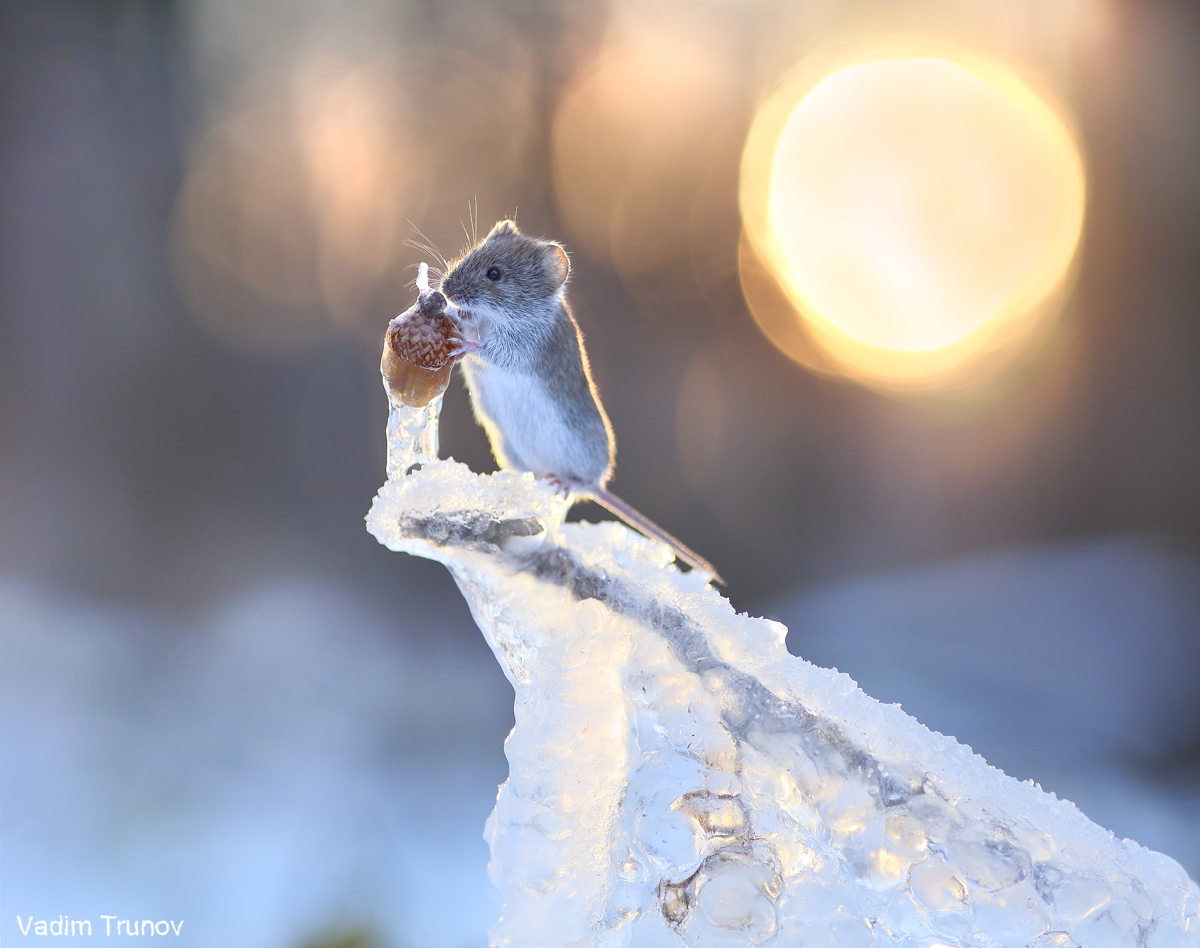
x: 425, y: 244
x: 427, y: 248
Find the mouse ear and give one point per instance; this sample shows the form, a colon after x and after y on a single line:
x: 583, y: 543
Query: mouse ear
x: 505, y: 229
x: 557, y: 264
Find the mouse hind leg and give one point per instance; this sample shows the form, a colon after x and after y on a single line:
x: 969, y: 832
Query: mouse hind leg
x: 565, y: 486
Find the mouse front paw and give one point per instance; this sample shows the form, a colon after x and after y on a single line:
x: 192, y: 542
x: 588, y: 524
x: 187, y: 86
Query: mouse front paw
x: 461, y: 346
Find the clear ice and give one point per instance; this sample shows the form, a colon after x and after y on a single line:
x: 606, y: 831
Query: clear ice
x: 677, y: 778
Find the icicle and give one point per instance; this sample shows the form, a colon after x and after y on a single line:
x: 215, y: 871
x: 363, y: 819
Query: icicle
x: 416, y: 366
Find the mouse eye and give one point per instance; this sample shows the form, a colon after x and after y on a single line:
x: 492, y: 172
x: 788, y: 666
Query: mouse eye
x: 494, y: 274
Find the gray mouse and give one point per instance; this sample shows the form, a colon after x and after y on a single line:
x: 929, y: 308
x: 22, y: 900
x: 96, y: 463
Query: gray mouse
x: 527, y: 371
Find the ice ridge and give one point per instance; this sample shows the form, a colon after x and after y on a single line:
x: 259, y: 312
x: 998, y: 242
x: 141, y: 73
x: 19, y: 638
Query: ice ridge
x: 677, y: 778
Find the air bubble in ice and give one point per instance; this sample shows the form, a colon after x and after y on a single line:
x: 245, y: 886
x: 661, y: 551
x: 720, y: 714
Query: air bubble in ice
x: 553, y: 825
x: 632, y: 869
x: 736, y: 892
x: 986, y: 855
x: 936, y: 887
x: 906, y: 834
x: 671, y: 839
x: 673, y: 899
x: 897, y: 786
x: 624, y: 904
x: 717, y: 815
x: 847, y: 809
x: 1038, y: 844
x: 888, y: 848
x: 1080, y: 895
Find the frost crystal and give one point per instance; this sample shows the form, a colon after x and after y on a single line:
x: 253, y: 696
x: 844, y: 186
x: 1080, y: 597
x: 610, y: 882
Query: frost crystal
x: 677, y: 778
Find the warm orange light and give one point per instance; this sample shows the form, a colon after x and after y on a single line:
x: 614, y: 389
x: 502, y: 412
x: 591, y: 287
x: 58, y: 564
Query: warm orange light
x: 917, y: 214
x: 293, y: 208
x: 636, y: 136
x: 292, y: 219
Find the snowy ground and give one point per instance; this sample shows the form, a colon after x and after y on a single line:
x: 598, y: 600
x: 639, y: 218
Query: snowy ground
x: 284, y: 771
x: 277, y: 776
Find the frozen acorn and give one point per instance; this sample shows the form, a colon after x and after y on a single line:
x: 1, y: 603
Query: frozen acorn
x: 419, y: 348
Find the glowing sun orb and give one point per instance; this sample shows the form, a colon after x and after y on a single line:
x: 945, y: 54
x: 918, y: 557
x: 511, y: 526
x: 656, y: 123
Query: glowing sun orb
x: 916, y: 213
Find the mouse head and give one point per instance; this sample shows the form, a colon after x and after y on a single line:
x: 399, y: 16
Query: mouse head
x: 507, y: 279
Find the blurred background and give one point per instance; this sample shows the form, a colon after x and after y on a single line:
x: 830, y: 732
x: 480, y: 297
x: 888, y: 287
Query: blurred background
x: 221, y: 700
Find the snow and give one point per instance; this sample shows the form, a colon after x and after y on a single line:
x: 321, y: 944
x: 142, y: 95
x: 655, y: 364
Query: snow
x: 274, y: 773
x: 676, y: 777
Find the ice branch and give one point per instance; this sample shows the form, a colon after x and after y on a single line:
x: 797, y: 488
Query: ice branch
x: 677, y: 778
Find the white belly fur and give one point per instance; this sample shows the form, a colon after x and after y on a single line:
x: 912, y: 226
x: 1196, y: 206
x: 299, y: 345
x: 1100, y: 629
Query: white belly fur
x: 527, y: 430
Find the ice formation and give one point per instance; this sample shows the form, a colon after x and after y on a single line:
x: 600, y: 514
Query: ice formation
x: 677, y: 778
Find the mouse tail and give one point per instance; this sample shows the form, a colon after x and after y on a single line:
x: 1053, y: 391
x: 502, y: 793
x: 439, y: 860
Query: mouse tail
x: 615, y: 505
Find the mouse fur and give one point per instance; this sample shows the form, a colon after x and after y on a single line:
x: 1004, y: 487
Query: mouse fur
x: 527, y: 370
x: 530, y: 381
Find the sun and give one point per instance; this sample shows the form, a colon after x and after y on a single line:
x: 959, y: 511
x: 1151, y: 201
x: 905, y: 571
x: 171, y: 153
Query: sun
x: 917, y: 212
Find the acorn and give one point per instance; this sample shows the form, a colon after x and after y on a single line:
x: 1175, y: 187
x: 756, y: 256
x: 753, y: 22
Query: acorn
x: 418, y: 351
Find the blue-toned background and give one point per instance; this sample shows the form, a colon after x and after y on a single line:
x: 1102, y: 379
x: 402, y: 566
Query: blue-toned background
x: 221, y: 701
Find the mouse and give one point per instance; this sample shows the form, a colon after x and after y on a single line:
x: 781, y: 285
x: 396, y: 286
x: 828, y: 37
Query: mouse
x: 526, y: 367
